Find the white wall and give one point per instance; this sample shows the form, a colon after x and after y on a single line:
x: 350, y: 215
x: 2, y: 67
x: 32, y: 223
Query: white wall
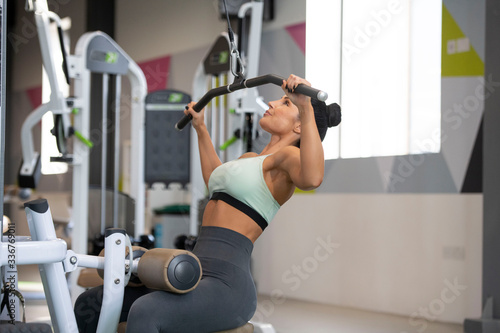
x: 145, y: 29
x: 153, y: 28
x: 395, y: 253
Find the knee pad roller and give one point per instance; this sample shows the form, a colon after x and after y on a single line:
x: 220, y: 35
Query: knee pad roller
x: 176, y: 271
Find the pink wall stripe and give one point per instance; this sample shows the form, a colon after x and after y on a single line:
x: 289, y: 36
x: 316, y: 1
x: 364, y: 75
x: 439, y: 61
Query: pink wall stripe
x: 35, y: 96
x: 156, y: 72
x: 298, y: 33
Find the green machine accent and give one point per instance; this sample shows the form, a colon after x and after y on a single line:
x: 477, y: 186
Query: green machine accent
x: 111, y: 57
x: 86, y: 141
x: 175, y: 97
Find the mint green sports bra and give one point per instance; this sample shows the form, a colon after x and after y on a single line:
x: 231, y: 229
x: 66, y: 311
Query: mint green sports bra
x: 241, y: 184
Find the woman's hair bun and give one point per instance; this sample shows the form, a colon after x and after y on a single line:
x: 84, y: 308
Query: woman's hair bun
x: 333, y: 115
x: 325, y: 115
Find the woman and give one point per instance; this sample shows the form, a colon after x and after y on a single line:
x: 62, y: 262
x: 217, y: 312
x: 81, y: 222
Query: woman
x: 245, y: 195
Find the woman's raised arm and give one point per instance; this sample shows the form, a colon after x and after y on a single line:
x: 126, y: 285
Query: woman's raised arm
x: 307, y: 168
x: 208, y: 156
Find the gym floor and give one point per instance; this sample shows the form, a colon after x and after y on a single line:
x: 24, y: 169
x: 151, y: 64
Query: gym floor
x: 294, y: 316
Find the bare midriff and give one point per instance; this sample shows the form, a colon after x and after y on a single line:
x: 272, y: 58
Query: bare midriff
x: 220, y: 214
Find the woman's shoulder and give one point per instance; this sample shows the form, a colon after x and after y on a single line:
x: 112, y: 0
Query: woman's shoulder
x: 284, y: 154
x: 289, y: 151
x: 287, y: 154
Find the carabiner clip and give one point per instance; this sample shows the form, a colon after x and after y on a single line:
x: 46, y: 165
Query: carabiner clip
x: 235, y: 61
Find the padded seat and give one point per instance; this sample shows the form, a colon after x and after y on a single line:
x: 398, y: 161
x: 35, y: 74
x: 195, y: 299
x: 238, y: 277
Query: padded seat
x: 122, y: 327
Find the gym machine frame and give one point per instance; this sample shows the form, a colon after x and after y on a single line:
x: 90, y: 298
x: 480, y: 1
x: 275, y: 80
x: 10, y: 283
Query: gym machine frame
x: 97, y: 53
x: 54, y: 260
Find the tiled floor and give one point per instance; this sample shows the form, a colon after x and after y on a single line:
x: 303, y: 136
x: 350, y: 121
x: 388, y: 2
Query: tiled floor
x: 294, y: 316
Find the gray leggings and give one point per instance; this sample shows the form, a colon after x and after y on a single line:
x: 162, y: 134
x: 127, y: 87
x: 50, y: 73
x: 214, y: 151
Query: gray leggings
x: 225, y: 297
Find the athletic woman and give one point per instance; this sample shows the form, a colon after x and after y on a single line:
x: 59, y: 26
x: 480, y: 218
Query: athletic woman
x: 245, y: 194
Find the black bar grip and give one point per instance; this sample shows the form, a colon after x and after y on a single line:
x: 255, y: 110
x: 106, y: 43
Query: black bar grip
x: 183, y: 122
x: 206, y: 99
x: 311, y: 92
x: 249, y: 83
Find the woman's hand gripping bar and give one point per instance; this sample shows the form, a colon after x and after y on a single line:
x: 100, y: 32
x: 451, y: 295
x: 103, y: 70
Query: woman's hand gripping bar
x: 248, y: 83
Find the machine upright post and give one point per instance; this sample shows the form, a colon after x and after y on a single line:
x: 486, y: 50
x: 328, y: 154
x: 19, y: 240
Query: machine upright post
x: 104, y: 149
x: 80, y: 197
x: 114, y: 281
x: 53, y: 278
x: 116, y: 164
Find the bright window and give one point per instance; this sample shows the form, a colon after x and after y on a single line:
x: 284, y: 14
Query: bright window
x: 381, y: 61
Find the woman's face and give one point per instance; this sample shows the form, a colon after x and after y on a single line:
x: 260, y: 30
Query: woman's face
x: 281, y: 118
